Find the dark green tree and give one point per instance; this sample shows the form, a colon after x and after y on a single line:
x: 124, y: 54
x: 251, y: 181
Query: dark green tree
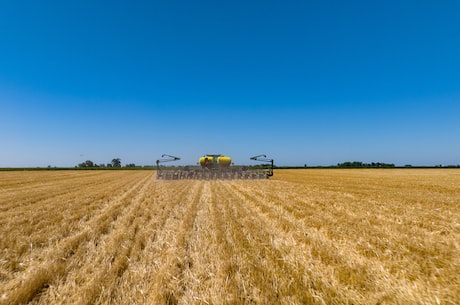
x: 87, y: 163
x: 116, y: 162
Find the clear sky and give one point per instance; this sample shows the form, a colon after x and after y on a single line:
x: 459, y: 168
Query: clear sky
x: 305, y: 82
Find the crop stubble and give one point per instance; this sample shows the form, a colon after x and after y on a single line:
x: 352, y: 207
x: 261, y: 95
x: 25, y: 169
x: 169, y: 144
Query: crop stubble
x: 302, y: 237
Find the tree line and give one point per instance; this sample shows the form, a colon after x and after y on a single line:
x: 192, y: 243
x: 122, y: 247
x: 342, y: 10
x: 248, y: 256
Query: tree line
x: 116, y: 162
x: 357, y: 164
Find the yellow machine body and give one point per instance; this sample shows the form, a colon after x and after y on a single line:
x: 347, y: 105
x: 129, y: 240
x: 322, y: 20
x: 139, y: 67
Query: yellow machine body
x: 224, y: 161
x: 215, y: 161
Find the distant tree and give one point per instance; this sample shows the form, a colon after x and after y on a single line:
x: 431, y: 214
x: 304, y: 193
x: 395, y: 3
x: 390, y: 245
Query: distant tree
x: 116, y: 162
x: 130, y: 165
x: 87, y: 163
x: 109, y: 164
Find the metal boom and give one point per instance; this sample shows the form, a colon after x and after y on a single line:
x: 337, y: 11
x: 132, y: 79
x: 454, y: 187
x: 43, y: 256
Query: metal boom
x: 263, y: 158
x: 169, y: 159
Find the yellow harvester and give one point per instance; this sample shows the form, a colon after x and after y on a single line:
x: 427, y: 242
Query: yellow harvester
x: 212, y: 166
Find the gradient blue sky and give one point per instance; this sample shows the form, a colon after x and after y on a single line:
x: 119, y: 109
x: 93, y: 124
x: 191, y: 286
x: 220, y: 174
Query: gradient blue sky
x: 305, y: 82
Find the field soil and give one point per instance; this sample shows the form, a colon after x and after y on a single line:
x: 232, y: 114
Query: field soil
x: 323, y: 236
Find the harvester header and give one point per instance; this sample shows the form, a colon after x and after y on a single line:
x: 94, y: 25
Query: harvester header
x: 214, y: 167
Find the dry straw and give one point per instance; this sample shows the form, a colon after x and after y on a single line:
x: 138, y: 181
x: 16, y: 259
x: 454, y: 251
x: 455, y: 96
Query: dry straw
x: 302, y: 237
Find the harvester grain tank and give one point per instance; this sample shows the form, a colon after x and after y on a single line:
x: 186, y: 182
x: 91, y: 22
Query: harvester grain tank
x: 215, y: 161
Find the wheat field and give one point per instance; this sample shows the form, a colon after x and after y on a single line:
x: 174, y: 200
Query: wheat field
x: 314, y: 236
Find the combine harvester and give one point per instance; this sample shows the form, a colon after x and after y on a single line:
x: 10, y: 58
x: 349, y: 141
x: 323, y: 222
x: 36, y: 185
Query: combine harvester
x: 214, y: 167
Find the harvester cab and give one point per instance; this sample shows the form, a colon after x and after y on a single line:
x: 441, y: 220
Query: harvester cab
x: 213, y: 167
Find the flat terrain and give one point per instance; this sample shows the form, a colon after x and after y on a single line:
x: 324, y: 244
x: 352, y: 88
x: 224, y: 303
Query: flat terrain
x: 303, y: 237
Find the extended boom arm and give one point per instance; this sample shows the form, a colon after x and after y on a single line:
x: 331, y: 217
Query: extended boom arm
x: 168, y: 159
x: 263, y: 158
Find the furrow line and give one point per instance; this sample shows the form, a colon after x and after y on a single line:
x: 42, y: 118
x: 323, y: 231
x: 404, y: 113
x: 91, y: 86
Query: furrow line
x: 173, y: 258
x: 269, y: 251
x: 40, y: 274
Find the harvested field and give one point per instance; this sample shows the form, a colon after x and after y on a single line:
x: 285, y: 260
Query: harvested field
x: 303, y: 237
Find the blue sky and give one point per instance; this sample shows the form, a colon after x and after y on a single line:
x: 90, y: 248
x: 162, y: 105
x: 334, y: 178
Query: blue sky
x: 305, y: 82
